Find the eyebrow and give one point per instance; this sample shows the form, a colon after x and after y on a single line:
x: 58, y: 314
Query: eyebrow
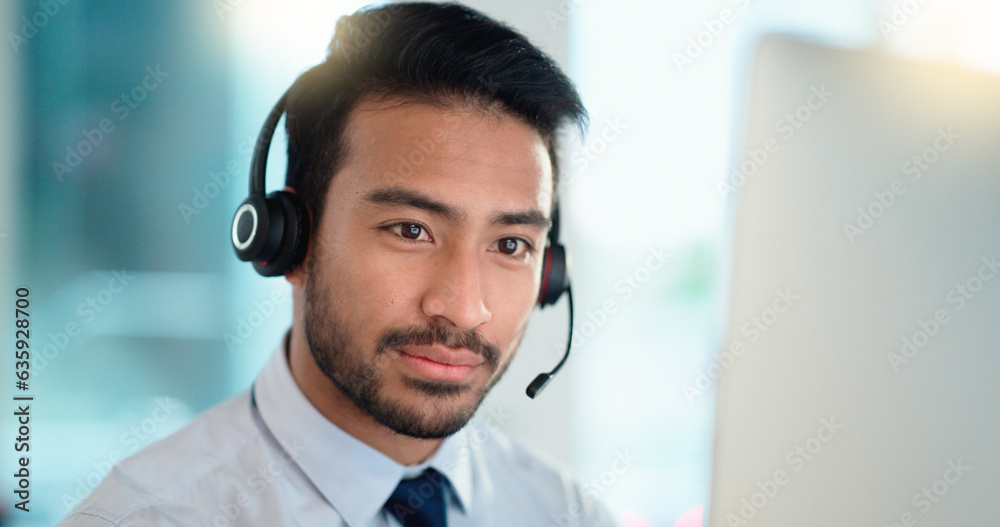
x: 402, y: 197
x: 532, y: 218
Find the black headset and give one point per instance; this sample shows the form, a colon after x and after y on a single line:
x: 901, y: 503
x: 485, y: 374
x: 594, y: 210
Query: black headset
x: 272, y: 232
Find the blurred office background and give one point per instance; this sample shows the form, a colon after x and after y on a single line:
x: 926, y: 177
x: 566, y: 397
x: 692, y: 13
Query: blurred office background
x: 125, y: 133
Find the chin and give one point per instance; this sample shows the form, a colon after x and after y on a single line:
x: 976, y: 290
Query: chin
x: 428, y: 409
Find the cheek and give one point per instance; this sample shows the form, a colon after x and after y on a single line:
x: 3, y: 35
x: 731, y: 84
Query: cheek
x: 373, y: 289
x: 531, y: 282
x: 512, y: 299
x: 520, y: 292
x: 349, y: 288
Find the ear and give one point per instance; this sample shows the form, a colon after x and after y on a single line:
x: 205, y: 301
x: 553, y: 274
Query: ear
x: 297, y: 276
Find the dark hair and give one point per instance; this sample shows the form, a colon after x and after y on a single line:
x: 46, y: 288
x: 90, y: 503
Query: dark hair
x: 443, y: 54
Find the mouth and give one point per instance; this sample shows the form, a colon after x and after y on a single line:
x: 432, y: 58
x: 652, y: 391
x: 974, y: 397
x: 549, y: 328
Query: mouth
x: 439, y: 363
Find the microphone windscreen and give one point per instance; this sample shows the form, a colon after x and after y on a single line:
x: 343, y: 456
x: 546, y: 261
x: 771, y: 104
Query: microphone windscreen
x: 538, y: 384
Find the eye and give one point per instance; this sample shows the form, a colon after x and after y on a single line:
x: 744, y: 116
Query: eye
x: 513, y: 247
x: 410, y: 231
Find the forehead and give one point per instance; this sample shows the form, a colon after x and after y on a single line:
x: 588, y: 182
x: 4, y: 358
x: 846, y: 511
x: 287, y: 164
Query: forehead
x: 468, y: 157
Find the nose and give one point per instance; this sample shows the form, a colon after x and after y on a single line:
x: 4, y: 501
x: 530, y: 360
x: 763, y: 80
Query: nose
x: 455, y: 292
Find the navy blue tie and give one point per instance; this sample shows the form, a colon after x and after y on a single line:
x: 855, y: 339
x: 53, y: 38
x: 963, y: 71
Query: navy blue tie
x: 419, y: 502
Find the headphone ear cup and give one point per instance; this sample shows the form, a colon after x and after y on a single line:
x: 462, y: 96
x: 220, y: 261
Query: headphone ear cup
x: 250, y: 226
x: 555, y: 276
x: 289, y: 234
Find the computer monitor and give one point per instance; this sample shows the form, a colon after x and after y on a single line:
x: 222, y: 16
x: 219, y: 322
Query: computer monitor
x: 859, y: 379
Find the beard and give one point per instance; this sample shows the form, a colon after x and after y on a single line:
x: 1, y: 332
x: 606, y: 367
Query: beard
x: 436, y: 409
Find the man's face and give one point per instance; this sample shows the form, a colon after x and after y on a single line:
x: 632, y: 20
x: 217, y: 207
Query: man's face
x: 426, y: 264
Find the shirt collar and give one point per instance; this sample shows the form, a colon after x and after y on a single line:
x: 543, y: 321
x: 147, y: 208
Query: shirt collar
x: 354, y: 478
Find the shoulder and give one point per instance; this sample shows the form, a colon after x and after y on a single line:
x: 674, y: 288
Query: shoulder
x: 205, y: 461
x: 526, y: 476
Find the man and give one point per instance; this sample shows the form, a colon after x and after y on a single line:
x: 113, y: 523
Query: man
x: 423, y: 151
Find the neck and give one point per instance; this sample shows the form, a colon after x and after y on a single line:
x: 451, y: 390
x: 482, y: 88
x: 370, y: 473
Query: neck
x: 341, y: 410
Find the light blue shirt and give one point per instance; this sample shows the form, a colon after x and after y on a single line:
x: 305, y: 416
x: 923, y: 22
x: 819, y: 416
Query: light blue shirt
x: 280, y: 462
